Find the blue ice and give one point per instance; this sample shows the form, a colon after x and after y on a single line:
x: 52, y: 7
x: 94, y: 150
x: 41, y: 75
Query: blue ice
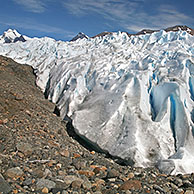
x: 190, y: 66
x: 158, y: 99
x: 178, y: 121
x: 90, y: 81
x: 191, y: 87
x: 121, y: 72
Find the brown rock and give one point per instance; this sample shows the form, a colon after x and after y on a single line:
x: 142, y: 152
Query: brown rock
x: 39, y: 173
x: 87, y: 185
x: 104, y: 168
x: 59, y: 165
x: 131, y: 185
x: 163, y: 175
x: 147, y: 191
x: 122, y: 177
x: 77, y: 183
x: 109, y: 191
x: 70, y: 178
x: 131, y: 175
x: 20, y: 154
x: 4, y: 121
x: 76, y: 155
x: 112, y: 173
x: 19, y: 97
x: 52, y: 143
x: 47, y: 173
x: 64, y: 153
x: 14, y: 173
x: 42, y: 183
x: 93, y: 166
x: 28, y: 112
x: 15, y: 191
x: 52, y: 162
x: 86, y: 173
x: 25, y: 148
x: 189, y: 192
x: 97, y: 170
x: 45, y: 190
x: 92, y: 152
x: 100, y: 182
x: 62, y: 173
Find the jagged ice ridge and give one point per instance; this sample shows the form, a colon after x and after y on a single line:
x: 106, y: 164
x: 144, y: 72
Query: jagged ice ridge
x: 131, y: 96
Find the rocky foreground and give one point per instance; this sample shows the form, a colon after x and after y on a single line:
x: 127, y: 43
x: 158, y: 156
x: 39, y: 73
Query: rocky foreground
x: 37, y: 155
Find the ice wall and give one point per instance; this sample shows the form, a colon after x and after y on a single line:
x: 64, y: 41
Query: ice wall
x: 131, y: 96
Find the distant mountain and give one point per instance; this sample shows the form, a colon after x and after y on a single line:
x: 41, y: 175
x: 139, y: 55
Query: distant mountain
x: 12, y: 36
x: 180, y: 27
x: 80, y: 35
x: 102, y: 34
x: 172, y: 29
x: 150, y: 31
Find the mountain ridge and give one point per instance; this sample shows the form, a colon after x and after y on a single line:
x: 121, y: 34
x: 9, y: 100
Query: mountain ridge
x: 18, y: 37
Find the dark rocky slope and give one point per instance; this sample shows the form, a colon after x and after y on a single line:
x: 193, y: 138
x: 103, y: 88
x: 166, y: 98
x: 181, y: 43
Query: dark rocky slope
x: 38, y: 156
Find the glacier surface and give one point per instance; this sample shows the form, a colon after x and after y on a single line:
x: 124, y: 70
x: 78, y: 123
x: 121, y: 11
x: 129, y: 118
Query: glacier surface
x: 132, y: 96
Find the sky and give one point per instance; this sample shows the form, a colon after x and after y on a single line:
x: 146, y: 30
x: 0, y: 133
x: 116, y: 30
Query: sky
x: 63, y: 19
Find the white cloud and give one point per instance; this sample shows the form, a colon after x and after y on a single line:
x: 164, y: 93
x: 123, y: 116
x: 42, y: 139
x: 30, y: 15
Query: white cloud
x: 36, y: 6
x: 131, y: 15
x: 116, y: 8
x: 164, y: 18
x: 33, y: 25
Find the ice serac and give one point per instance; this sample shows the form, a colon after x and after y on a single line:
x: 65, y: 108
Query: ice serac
x: 131, y: 96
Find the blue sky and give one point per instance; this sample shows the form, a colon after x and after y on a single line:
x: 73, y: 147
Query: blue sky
x: 63, y: 19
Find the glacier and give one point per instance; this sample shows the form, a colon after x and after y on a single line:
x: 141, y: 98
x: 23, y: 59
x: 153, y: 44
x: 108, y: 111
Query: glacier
x: 131, y: 96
